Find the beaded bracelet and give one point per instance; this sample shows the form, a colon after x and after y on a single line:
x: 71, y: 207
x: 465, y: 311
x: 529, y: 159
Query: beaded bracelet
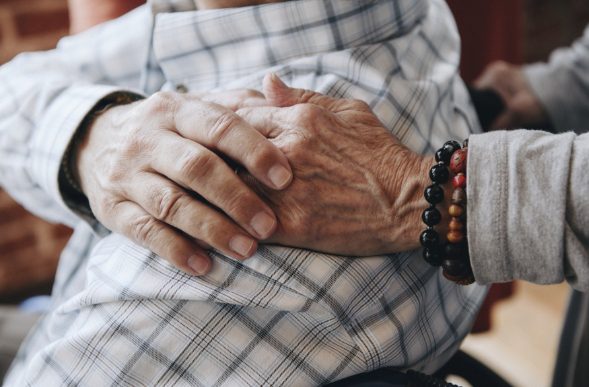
x: 452, y: 255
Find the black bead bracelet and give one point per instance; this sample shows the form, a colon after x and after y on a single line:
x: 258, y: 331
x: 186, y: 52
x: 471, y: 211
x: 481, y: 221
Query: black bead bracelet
x: 452, y: 255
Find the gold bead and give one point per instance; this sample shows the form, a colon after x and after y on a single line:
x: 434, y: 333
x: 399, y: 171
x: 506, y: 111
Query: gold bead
x: 455, y: 210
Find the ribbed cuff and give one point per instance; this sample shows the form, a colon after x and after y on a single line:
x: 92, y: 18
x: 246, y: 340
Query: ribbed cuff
x: 516, y: 190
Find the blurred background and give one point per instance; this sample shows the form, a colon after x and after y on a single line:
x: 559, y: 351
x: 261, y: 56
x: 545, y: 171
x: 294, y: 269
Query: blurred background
x: 518, y: 335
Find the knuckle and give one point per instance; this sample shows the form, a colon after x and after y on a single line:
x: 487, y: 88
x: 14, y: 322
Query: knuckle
x: 143, y: 229
x: 211, y: 231
x: 360, y: 105
x: 134, y: 145
x: 235, y: 202
x: 161, y: 103
x: 306, y: 95
x: 113, y: 174
x: 196, y: 165
x: 224, y: 123
x: 308, y: 112
x: 166, y: 202
x: 261, y: 156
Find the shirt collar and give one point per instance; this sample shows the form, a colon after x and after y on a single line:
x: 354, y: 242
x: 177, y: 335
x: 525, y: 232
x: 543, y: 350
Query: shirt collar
x: 232, y: 42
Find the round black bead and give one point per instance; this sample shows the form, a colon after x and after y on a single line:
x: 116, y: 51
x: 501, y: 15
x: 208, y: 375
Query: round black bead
x: 456, y: 250
x: 429, y: 239
x: 443, y: 156
x: 434, y: 194
x: 433, y: 257
x: 456, y: 268
x: 439, y: 174
x: 431, y: 216
x: 451, y: 146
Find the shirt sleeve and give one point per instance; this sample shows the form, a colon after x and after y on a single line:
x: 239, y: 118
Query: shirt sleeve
x: 528, y: 208
x: 562, y: 85
x: 44, y: 96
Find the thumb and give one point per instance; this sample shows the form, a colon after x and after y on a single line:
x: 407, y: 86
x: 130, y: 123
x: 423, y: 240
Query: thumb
x: 278, y: 94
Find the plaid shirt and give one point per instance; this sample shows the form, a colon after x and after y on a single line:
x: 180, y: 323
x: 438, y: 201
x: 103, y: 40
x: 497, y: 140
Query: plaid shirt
x: 287, y: 316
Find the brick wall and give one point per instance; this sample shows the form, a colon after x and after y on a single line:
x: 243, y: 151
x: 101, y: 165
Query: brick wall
x: 29, y: 247
x: 27, y: 25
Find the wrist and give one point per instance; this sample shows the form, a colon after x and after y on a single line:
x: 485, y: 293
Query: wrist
x: 81, y: 157
x: 405, y: 178
x: 405, y: 186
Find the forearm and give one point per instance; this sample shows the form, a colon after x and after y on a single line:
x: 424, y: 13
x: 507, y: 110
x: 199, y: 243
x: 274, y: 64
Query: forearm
x: 528, y: 215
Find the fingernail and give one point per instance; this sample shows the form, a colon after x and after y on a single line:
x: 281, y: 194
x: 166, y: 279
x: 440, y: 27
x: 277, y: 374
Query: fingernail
x: 279, y: 176
x: 242, y: 245
x: 263, y: 224
x: 199, y: 265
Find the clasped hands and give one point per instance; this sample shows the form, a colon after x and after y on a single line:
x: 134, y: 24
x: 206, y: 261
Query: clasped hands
x: 314, y: 172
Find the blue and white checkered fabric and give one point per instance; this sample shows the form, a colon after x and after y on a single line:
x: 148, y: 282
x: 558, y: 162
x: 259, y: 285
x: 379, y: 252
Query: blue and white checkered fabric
x: 123, y: 316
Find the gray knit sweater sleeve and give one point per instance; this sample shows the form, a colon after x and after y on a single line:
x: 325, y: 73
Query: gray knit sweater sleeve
x: 562, y: 85
x: 528, y: 207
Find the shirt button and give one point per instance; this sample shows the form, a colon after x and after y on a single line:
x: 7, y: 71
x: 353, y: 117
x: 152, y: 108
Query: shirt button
x: 180, y: 88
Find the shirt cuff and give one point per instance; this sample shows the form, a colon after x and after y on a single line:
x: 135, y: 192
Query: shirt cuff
x: 56, y: 131
x: 517, y: 181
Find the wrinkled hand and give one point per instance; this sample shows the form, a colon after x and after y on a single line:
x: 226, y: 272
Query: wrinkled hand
x: 522, y: 107
x: 356, y: 191
x: 145, y: 168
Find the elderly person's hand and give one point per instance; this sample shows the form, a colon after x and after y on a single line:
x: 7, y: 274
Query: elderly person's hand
x: 522, y: 107
x: 357, y: 190
x: 145, y: 168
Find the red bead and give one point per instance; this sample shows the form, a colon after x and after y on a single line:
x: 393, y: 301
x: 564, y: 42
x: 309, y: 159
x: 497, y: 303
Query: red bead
x: 459, y: 181
x: 458, y: 161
